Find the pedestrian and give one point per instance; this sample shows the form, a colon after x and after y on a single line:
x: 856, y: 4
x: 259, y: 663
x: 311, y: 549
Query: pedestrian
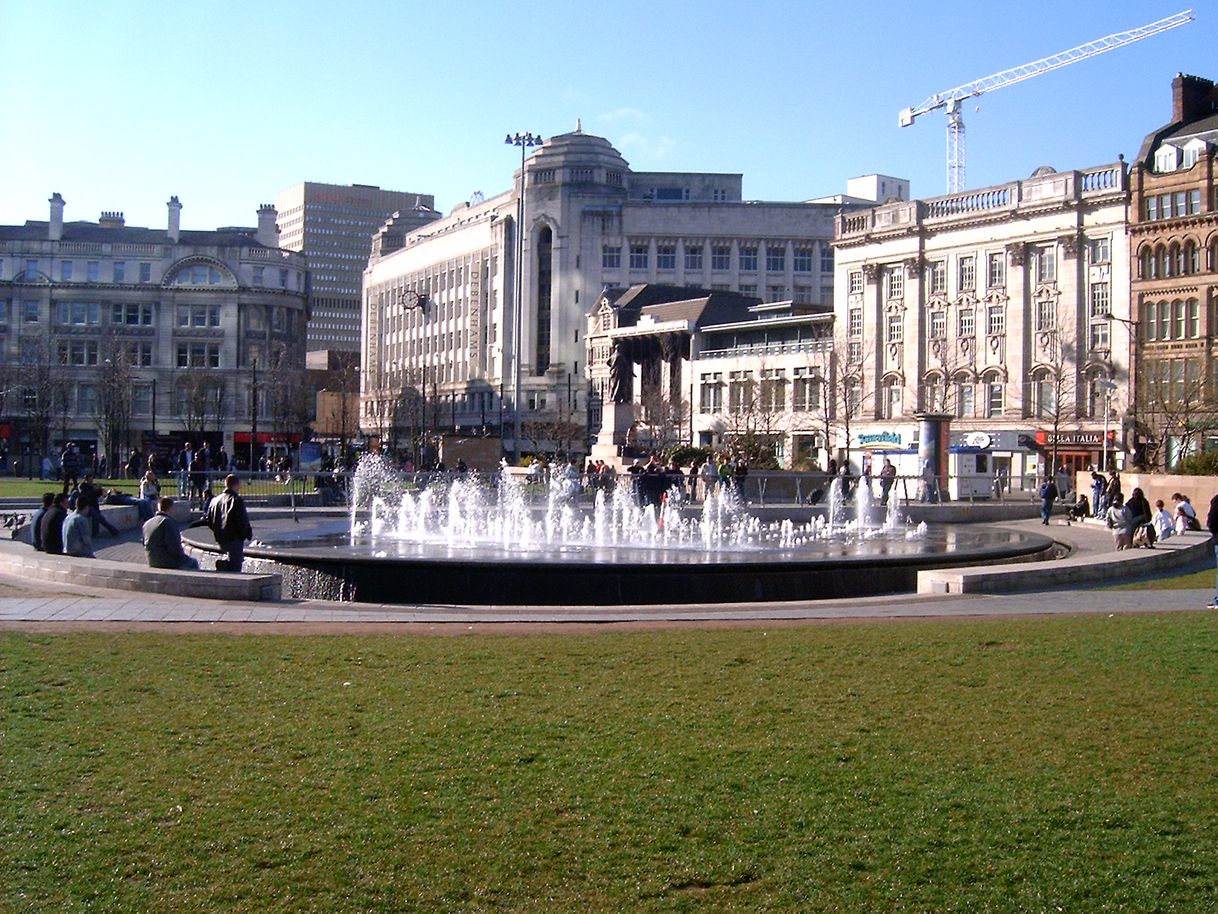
x: 46, y: 467
x: 1048, y: 494
x: 1117, y: 520
x: 229, y: 522
x: 1114, y: 493
x: 52, y: 525
x: 1098, y: 486
x: 888, y: 478
x: 69, y: 461
x: 133, y: 464
x: 48, y: 499
x: 1211, y: 524
x: 77, y: 530
x: 186, y: 457
x: 710, y: 476
x: 163, y: 540
x: 200, y: 464
x: 222, y: 461
x: 1137, y: 513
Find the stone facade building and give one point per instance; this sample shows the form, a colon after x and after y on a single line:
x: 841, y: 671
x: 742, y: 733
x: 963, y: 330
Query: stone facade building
x: 1006, y: 307
x: 439, y: 309
x: 1174, y: 275
x: 333, y: 225
x: 110, y: 332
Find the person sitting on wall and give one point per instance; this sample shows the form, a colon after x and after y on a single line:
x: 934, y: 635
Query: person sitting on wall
x: 48, y: 499
x: 163, y: 540
x: 52, y: 525
x: 78, y: 531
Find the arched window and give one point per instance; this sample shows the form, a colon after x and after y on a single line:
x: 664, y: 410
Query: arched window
x: 995, y: 394
x: 891, y: 397
x: 1163, y: 255
x: 1099, y: 393
x: 1192, y: 258
x: 1044, y: 393
x: 964, y: 387
x: 1177, y: 260
x: 934, y: 392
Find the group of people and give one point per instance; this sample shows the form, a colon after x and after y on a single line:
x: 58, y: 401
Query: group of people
x: 67, y: 524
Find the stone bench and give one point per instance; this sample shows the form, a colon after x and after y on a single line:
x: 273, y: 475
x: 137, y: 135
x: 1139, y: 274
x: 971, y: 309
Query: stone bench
x: 1091, y: 568
x: 21, y: 560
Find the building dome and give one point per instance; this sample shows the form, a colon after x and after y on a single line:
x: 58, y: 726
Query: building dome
x: 1044, y: 171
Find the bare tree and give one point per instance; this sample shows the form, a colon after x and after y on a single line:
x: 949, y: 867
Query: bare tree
x: 288, y: 395
x: 1177, y: 408
x: 1053, y: 390
x: 43, y: 392
x: 112, y: 408
x: 847, y: 386
x: 200, y: 400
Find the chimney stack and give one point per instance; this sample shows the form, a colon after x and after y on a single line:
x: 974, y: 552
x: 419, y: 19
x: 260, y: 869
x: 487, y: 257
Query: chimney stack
x: 1192, y: 98
x: 111, y: 219
x: 268, y: 232
x: 55, y: 227
x: 175, y: 219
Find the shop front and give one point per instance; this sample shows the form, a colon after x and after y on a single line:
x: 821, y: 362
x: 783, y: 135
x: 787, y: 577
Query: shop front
x: 1075, y: 451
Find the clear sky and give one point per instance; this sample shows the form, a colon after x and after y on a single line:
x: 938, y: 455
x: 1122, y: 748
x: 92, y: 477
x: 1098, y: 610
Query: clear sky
x: 118, y: 105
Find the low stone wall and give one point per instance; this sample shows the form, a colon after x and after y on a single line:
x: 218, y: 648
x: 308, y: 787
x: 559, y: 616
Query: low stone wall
x: 1199, y: 489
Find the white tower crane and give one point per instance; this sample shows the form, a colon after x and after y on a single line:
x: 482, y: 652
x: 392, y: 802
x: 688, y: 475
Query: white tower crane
x: 951, y: 99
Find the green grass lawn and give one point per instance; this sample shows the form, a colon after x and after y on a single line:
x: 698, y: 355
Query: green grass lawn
x: 1198, y: 579
x: 1019, y: 765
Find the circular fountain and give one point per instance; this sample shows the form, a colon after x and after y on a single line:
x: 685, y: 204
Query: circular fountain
x: 500, y: 541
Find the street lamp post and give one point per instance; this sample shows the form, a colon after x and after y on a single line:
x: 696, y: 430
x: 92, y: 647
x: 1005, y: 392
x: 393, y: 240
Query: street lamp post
x: 1109, y: 387
x: 524, y: 141
x: 253, y: 410
x: 1131, y: 355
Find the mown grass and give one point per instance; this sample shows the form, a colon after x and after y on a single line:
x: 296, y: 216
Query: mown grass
x: 1197, y: 579
x: 20, y: 487
x: 1021, y: 765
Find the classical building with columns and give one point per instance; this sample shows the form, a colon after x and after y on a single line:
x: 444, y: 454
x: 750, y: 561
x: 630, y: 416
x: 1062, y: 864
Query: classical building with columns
x: 1006, y: 307
x: 118, y: 336
x: 439, y: 308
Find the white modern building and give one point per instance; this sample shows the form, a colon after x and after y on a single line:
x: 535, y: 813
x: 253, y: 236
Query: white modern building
x: 126, y: 336
x: 439, y: 311
x: 1006, y: 307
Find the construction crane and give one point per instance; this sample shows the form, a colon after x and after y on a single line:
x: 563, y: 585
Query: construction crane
x: 952, y: 98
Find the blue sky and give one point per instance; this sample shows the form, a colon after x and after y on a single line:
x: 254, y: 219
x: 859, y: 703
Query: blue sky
x: 118, y: 105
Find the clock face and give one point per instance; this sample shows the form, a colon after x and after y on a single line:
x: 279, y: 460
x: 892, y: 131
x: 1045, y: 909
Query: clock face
x: 410, y: 299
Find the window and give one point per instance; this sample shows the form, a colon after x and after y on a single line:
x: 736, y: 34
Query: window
x: 666, y: 257
x: 748, y: 288
x: 1180, y: 204
x: 1101, y: 301
x: 739, y: 390
x: 994, y: 396
x: 748, y: 259
x: 966, y: 275
x: 693, y: 257
x: 721, y: 257
x: 1152, y: 209
x: 1099, y: 336
x: 581, y: 175
x: 198, y: 355
x: 132, y: 315
x: 803, y: 295
x: 775, y: 258
x: 198, y: 315
x: 65, y: 271
x: 964, y: 397
x: 996, y: 320
x: 966, y: 323
x: 92, y: 270
x: 938, y: 276
x: 283, y: 279
x: 1194, y: 202
x: 801, y: 261
x: 855, y: 323
x: 854, y: 353
x: 1177, y: 319
x: 854, y: 396
x: 120, y: 271
x: 773, y: 389
x: 891, y: 400
x: 31, y: 269
x: 712, y: 392
x: 996, y: 271
x: 613, y: 178
x: 805, y: 393
x: 1164, y: 321
x: 639, y: 256
x: 1149, y: 325
x: 1044, y: 395
x: 78, y: 353
x: 896, y: 328
x: 826, y: 259
x: 855, y: 282
x: 139, y: 355
x: 79, y: 314
x: 1046, y: 315
x: 86, y: 400
x: 1044, y: 262
x: 145, y: 272
x: 1194, y: 318
x: 259, y: 276
x: 938, y: 325
x: 29, y: 312
x: 1100, y: 250
x: 895, y: 281
x: 1166, y: 159
x: 141, y: 400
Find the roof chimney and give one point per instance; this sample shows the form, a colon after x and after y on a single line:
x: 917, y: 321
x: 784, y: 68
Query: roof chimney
x: 268, y: 232
x: 1192, y: 98
x: 55, y: 226
x: 175, y: 219
x: 111, y: 219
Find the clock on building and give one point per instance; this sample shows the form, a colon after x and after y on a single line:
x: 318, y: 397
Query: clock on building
x: 410, y: 299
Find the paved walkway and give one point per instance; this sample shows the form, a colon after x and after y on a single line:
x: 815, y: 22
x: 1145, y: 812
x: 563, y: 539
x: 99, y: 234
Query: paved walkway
x: 25, y: 604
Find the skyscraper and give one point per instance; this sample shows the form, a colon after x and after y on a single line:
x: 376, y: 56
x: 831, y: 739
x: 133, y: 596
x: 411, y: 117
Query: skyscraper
x: 333, y: 225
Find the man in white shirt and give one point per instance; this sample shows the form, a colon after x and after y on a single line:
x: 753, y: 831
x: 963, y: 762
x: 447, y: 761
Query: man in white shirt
x: 1163, y: 522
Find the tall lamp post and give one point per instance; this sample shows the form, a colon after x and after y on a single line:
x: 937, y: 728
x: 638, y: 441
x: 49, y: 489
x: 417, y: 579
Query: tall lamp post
x: 524, y: 141
x: 1132, y: 354
x: 1109, y: 387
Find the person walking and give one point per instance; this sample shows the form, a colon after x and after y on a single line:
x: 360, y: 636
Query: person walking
x: 1048, y: 494
x: 186, y: 457
x: 48, y: 499
x: 78, y: 531
x: 1211, y: 524
x: 229, y: 522
x: 1098, y: 485
x: 710, y: 477
x: 69, y: 460
x: 163, y: 540
x: 888, y: 478
x: 52, y: 525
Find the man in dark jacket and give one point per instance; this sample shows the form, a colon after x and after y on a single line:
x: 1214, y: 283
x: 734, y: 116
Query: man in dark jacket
x: 48, y: 499
x: 163, y: 540
x: 1211, y: 523
x: 90, y: 491
x: 1048, y: 494
x: 69, y: 462
x: 52, y: 525
x: 228, y: 520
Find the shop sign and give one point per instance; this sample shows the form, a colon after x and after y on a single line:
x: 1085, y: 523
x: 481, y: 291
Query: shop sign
x: 978, y: 439
x: 885, y: 439
x: 1073, y: 439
